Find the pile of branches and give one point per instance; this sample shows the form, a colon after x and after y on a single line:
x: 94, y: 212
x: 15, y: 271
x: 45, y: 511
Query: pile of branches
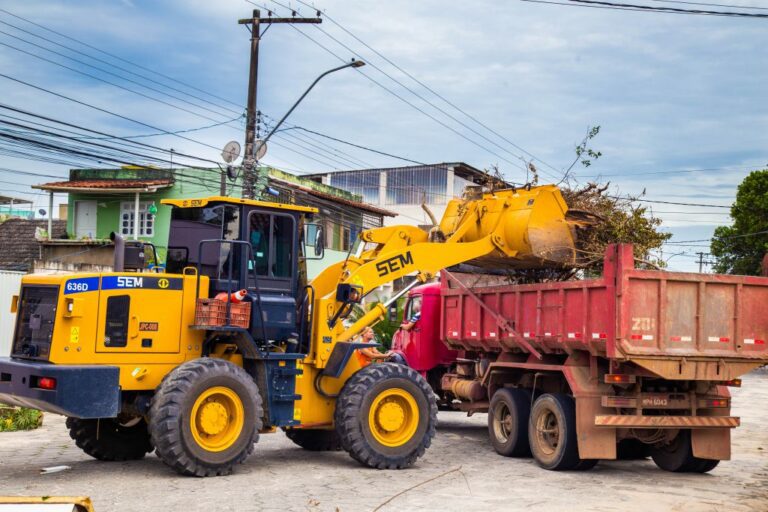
x: 601, y: 219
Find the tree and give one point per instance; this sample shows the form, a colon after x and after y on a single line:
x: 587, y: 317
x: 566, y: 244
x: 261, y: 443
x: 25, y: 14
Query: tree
x: 739, y: 249
x: 608, y: 220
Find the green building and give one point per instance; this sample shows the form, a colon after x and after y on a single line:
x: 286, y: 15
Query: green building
x: 127, y: 201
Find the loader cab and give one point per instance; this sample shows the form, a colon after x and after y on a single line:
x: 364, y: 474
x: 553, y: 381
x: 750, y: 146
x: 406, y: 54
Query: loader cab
x: 245, y: 244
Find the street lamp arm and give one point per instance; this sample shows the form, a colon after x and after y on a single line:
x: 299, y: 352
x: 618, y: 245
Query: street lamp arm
x: 353, y: 64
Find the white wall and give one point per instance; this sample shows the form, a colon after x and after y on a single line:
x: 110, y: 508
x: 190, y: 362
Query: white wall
x: 413, y: 214
x: 10, y: 282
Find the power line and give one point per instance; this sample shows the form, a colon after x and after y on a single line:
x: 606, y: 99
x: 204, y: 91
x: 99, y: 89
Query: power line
x: 669, y: 202
x: 711, y: 169
x: 672, y: 9
x: 400, y: 97
x: 79, y: 102
x: 627, y: 7
x: 365, y: 148
x: 645, y: 8
x: 425, y: 86
x: 729, y: 6
x: 102, y: 70
x: 139, y: 66
x: 113, y: 84
x: 745, y: 235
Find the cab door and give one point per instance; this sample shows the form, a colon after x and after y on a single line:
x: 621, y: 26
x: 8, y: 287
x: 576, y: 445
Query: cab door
x: 409, y: 341
x: 140, y: 313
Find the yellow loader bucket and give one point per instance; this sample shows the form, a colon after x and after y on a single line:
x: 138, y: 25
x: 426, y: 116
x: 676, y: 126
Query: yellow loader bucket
x: 534, y: 226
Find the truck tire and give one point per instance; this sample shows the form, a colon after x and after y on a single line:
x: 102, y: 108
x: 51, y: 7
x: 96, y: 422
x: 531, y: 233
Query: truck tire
x: 508, y: 416
x: 386, y: 416
x: 677, y: 456
x: 632, y: 449
x: 552, y: 434
x: 205, y: 417
x: 108, y: 439
x: 315, y: 440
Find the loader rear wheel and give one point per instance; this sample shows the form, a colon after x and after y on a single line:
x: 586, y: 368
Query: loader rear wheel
x: 315, y: 440
x: 110, y: 439
x: 205, y: 417
x: 677, y: 456
x: 508, y: 415
x: 386, y: 416
x: 552, y: 434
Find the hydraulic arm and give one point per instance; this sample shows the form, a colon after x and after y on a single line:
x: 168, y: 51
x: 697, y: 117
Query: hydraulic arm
x: 513, y: 228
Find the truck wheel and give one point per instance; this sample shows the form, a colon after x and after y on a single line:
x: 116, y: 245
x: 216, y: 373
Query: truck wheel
x: 632, y: 449
x: 677, y: 456
x: 508, y: 416
x: 205, y: 417
x: 386, y: 415
x: 552, y: 434
x: 109, y: 439
x: 315, y: 440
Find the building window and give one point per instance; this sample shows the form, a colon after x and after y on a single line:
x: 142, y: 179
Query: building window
x: 346, y: 238
x: 414, y: 185
x: 146, y: 219
x: 363, y: 183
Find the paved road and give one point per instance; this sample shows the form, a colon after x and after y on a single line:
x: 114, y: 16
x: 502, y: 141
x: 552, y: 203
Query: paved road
x: 460, y: 472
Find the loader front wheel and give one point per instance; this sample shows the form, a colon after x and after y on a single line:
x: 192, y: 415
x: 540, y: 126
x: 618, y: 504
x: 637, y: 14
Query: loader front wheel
x: 110, y: 439
x: 205, y: 417
x: 386, y: 415
x: 315, y: 440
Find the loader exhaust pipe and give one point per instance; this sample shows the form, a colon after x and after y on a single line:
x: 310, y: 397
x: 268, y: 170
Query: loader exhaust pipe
x: 119, y: 261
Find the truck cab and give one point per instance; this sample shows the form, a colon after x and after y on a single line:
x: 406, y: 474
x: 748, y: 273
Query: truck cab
x: 421, y: 346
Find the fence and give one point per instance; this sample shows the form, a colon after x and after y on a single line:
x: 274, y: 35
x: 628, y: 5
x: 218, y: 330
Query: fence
x: 9, y: 286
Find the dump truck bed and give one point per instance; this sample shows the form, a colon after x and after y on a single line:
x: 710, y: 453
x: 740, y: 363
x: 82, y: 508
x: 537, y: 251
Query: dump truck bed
x: 676, y: 325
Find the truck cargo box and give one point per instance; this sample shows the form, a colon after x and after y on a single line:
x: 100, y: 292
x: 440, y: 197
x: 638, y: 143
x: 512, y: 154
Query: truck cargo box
x: 676, y: 325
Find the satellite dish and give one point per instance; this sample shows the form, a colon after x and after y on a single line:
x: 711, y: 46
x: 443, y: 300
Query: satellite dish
x: 230, y: 151
x: 41, y: 212
x: 262, y: 149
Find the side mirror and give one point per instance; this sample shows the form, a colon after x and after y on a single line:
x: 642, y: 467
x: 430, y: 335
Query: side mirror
x: 319, y: 242
x: 393, y: 313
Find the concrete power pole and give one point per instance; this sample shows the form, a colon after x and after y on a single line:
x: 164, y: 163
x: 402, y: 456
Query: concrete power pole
x: 252, y: 182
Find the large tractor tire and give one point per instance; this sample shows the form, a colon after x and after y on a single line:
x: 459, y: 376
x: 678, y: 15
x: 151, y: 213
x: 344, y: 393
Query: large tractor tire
x: 386, y: 416
x: 677, y: 456
x: 110, y: 440
x: 205, y: 417
x: 315, y: 440
x: 552, y: 434
x: 508, y: 416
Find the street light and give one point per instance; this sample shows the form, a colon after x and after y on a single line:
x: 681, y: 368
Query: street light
x: 353, y: 64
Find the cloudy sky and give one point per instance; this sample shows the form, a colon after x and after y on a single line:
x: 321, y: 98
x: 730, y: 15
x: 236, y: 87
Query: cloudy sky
x: 680, y: 99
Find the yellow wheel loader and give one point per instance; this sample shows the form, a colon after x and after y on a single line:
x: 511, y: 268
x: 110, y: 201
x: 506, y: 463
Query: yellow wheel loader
x: 143, y: 361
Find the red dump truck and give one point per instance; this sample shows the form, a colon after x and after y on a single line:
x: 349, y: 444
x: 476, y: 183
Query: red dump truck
x: 631, y: 364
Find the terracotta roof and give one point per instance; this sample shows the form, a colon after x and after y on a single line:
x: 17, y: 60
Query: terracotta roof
x: 18, y: 247
x: 146, y: 185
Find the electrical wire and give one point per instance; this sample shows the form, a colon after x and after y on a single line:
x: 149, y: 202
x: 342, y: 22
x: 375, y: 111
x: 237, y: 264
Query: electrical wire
x: 428, y: 88
x: 139, y: 66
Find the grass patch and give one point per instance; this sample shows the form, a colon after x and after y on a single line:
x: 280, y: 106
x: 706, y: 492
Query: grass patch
x: 19, y: 418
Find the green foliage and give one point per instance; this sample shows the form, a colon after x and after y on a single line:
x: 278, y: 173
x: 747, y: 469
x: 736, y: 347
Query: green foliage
x: 384, y: 330
x: 13, y: 419
x: 736, y: 249
x: 584, y: 153
x: 613, y: 220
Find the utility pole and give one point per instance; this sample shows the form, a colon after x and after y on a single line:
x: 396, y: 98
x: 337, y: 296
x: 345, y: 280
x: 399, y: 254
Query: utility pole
x: 701, y: 261
x: 250, y: 160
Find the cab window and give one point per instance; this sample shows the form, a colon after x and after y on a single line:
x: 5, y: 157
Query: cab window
x: 271, y: 239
